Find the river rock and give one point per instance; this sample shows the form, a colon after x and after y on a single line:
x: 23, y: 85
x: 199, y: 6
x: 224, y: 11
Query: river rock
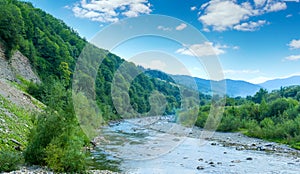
x: 240, y: 148
x: 200, y: 168
x: 236, y: 161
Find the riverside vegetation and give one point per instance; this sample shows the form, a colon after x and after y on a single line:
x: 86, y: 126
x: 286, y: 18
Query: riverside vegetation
x: 54, y: 138
x: 273, y: 116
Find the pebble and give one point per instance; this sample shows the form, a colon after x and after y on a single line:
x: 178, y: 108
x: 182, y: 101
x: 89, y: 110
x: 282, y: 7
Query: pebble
x: 200, y: 168
x: 236, y: 161
x: 249, y: 158
x: 40, y: 170
x: 240, y: 148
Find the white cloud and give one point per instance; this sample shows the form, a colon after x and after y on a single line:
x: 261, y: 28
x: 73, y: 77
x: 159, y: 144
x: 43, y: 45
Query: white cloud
x: 222, y: 15
x: 193, y: 8
x: 293, y: 57
x: 206, y: 30
x: 289, y: 15
x: 160, y: 27
x: 230, y: 71
x: 67, y: 7
x: 204, y: 49
x: 277, y: 6
x: 236, y: 48
x: 291, y: 0
x: 259, y: 3
x: 294, y: 44
x: 181, y: 26
x: 110, y: 11
x: 250, y: 26
x: 155, y: 64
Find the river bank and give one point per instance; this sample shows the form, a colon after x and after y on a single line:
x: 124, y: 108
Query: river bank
x: 158, y: 146
x: 41, y: 170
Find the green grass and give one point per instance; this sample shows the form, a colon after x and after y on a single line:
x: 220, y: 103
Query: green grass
x: 15, y: 123
x: 23, y: 86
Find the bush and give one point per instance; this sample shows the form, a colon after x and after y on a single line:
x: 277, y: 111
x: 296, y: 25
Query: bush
x: 229, y: 123
x: 66, y: 156
x: 56, y: 139
x: 10, y: 161
x: 49, y: 125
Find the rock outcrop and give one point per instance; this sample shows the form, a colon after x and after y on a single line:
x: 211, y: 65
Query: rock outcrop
x: 18, y: 65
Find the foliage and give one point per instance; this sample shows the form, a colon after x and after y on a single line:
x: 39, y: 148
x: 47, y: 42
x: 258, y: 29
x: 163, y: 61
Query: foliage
x: 273, y: 116
x: 10, y: 161
x: 56, y: 139
x: 12, y: 25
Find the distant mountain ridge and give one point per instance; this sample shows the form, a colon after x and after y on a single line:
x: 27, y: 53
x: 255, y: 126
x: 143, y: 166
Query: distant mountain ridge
x: 277, y: 83
x: 234, y: 88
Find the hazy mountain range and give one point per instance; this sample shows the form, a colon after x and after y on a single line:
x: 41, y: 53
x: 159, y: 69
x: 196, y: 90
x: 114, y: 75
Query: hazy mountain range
x: 234, y: 88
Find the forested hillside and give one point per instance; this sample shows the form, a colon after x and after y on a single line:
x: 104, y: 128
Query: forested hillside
x: 53, y: 49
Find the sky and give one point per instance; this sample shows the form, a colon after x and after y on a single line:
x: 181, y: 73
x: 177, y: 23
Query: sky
x: 255, y: 40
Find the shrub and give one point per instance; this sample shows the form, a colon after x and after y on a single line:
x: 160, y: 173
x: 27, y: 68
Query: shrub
x: 66, y: 156
x: 229, y: 123
x: 10, y: 161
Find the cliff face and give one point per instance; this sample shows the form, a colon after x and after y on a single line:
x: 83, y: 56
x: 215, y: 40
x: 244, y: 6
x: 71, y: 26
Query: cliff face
x: 5, y: 69
x: 18, y: 65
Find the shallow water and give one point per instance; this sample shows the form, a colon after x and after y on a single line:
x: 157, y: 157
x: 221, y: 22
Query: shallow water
x: 165, y: 148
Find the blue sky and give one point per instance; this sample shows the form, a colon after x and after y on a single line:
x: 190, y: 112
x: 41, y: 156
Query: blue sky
x: 254, y: 40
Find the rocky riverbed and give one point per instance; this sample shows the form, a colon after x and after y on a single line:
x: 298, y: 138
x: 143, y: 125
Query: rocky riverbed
x: 158, y: 146
x: 41, y: 170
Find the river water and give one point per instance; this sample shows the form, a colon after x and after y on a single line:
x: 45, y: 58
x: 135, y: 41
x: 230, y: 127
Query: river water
x: 164, y: 147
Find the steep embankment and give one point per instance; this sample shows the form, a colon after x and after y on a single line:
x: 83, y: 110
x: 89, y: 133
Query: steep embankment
x: 17, y: 66
x: 16, y: 106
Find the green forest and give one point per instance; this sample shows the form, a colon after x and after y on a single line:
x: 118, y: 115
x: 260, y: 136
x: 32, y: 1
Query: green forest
x: 273, y: 116
x: 56, y: 139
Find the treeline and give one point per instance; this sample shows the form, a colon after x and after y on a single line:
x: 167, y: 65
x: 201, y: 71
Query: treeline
x: 274, y: 116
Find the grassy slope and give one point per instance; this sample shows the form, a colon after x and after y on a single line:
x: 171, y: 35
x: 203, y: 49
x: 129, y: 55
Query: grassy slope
x: 14, y: 124
x: 16, y: 110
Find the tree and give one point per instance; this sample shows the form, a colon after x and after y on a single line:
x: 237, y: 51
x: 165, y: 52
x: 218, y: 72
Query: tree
x: 11, y: 26
x: 260, y: 95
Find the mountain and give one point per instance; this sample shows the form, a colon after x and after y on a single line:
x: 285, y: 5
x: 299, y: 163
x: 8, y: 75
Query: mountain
x: 234, y: 88
x: 240, y: 88
x: 277, y: 83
